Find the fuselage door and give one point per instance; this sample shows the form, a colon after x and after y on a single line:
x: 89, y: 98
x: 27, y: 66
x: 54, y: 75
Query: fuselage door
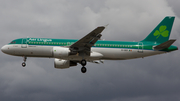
x: 24, y: 43
x: 140, y: 47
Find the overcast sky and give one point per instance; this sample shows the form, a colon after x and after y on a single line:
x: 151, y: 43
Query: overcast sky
x: 155, y: 78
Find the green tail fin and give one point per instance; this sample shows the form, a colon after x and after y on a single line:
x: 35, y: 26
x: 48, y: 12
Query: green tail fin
x: 162, y: 31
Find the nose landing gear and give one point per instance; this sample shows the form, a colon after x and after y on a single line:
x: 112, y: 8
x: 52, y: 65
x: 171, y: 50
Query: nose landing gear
x: 24, y: 63
x: 83, y: 63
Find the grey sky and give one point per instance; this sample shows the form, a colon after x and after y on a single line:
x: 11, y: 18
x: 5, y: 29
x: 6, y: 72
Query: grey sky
x: 154, y: 78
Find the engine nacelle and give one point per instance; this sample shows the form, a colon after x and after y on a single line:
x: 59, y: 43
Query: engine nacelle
x: 60, y: 52
x: 63, y: 64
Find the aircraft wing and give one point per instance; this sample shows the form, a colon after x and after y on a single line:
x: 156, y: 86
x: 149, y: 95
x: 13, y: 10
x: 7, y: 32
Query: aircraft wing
x: 84, y: 44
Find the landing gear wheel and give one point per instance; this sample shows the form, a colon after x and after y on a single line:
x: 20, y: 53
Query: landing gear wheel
x: 23, y: 64
x: 83, y: 62
x: 83, y: 69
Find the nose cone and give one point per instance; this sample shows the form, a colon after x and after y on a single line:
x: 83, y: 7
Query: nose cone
x: 8, y: 49
x: 4, y: 49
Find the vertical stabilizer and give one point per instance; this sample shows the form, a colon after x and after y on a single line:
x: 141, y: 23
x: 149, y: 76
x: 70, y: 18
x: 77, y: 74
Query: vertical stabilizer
x: 162, y: 31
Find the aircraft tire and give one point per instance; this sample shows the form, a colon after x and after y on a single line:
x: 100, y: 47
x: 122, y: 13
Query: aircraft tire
x: 83, y: 69
x: 83, y: 62
x: 23, y: 64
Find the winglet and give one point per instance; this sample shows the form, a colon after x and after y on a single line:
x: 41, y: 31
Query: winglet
x: 106, y: 25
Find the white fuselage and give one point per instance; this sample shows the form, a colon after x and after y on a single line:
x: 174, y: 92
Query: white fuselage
x: 96, y: 53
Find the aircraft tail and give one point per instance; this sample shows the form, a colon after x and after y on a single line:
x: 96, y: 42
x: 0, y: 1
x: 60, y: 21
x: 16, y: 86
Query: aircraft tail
x: 162, y: 31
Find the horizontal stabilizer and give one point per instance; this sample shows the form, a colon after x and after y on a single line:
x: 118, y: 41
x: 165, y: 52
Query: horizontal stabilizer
x: 165, y: 45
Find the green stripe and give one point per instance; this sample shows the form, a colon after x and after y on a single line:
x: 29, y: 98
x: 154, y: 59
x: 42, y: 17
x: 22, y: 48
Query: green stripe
x: 100, y: 43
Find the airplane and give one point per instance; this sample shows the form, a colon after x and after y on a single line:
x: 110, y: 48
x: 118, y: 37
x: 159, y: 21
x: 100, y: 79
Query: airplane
x: 71, y: 52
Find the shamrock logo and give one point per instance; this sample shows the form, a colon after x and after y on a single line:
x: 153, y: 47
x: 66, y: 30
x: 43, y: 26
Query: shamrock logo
x: 162, y: 31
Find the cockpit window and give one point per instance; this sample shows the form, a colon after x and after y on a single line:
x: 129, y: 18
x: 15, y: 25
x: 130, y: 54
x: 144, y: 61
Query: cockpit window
x: 13, y: 42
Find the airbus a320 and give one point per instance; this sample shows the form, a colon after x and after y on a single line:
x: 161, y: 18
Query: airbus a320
x: 70, y: 52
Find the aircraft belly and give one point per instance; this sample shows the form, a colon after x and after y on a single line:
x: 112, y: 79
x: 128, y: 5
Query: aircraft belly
x: 123, y: 54
x: 93, y: 56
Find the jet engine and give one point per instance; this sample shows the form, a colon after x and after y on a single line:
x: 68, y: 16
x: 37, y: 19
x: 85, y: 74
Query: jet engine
x: 60, y: 52
x: 63, y: 64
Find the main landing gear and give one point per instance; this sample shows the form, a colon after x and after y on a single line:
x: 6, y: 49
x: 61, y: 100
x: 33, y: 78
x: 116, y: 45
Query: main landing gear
x: 24, y: 63
x: 83, y: 63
